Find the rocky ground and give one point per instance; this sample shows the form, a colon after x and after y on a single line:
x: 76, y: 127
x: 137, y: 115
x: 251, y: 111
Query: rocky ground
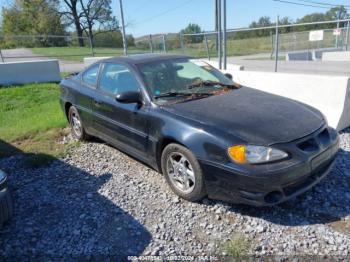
x: 99, y: 201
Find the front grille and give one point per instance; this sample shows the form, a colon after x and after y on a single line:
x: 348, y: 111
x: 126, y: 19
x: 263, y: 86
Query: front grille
x: 309, y: 145
x: 313, y: 144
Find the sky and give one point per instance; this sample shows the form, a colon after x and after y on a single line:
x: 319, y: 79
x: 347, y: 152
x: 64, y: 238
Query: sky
x: 240, y: 13
x: 166, y: 16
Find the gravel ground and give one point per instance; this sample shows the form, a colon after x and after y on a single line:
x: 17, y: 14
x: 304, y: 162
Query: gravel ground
x: 99, y: 201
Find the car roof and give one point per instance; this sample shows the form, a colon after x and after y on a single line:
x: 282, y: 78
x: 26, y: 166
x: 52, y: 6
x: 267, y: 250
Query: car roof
x: 143, y: 58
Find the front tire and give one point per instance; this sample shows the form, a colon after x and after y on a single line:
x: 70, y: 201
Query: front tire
x: 183, y: 172
x: 76, y: 124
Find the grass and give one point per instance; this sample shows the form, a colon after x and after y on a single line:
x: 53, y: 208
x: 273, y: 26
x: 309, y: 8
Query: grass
x: 237, y: 246
x: 78, y: 53
x: 32, y: 122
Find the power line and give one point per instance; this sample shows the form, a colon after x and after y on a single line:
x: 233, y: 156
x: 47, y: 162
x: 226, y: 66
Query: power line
x: 301, y: 4
x: 163, y: 13
x: 322, y: 3
x: 142, y: 5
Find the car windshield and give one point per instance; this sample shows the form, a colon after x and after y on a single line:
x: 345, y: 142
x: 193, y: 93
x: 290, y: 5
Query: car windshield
x: 182, y: 79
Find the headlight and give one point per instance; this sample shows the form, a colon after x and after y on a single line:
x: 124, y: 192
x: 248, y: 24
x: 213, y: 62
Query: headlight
x: 255, y: 154
x: 2, y: 176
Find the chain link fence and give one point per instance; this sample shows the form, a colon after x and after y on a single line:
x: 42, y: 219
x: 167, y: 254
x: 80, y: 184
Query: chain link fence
x: 286, y: 47
x: 268, y: 49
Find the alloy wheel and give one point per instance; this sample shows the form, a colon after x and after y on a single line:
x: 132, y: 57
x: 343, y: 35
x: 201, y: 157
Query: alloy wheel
x: 180, y: 172
x: 76, y: 124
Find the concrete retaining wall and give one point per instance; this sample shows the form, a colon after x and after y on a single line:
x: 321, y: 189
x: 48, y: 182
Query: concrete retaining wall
x: 309, y: 55
x: 336, y: 56
x: 29, y: 72
x: 230, y: 67
x: 90, y: 60
x: 299, y: 56
x: 318, y: 54
x: 329, y: 94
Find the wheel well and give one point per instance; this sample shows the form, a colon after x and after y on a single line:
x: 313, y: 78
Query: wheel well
x: 66, y: 108
x: 166, y: 141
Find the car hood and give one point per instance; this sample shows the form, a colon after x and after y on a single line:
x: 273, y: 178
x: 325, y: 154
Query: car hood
x: 254, y: 116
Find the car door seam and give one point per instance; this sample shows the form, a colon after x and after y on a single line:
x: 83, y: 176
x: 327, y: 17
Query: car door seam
x: 144, y: 135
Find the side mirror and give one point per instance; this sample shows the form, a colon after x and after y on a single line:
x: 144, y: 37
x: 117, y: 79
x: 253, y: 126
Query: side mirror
x: 129, y: 97
x: 229, y: 76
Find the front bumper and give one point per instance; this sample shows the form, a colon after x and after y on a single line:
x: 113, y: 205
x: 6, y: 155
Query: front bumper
x: 266, y: 185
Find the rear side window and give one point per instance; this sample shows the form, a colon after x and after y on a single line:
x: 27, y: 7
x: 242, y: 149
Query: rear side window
x: 90, y: 76
x: 116, y: 78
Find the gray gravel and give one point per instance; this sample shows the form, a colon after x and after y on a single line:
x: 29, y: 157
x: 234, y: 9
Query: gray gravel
x: 99, y: 201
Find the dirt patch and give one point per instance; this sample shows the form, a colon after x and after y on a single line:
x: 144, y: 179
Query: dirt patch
x: 341, y: 226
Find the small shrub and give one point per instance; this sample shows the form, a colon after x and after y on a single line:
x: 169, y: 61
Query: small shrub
x: 236, y: 246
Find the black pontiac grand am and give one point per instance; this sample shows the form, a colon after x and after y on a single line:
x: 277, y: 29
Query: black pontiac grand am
x: 206, y: 134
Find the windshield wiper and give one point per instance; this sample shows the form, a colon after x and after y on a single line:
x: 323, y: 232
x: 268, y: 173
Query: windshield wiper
x: 172, y: 94
x: 209, y: 83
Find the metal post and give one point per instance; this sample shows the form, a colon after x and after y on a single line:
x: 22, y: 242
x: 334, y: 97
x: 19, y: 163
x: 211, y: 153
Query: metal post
x: 164, y: 44
x: 182, y: 42
x: 347, y: 35
x: 276, y: 44
x: 2, y: 58
x: 207, y: 46
x: 150, y: 43
x: 272, y: 46
x: 216, y: 25
x: 225, y: 37
x: 219, y: 35
x: 336, y: 37
x: 125, y: 44
x: 91, y: 46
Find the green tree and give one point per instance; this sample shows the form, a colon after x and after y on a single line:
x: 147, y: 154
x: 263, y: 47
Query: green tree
x: 285, y: 21
x: 130, y: 40
x: 193, y: 29
x: 263, y: 21
x: 88, y: 16
x: 337, y: 13
x: 32, y: 17
x: 310, y: 18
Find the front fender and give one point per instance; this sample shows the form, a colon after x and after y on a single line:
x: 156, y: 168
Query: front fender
x: 205, y: 142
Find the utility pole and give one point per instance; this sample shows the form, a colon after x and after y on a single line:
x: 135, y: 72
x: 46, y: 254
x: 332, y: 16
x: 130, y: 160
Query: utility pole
x: 2, y: 59
x: 125, y: 44
x: 219, y: 34
x: 225, y: 37
x: 277, y: 43
x: 347, y: 36
x: 216, y: 25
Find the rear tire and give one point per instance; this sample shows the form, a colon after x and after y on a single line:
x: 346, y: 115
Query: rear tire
x: 183, y: 172
x: 76, y: 125
x: 6, y: 209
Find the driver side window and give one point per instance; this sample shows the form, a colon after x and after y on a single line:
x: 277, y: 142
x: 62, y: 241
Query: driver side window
x: 116, y: 78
